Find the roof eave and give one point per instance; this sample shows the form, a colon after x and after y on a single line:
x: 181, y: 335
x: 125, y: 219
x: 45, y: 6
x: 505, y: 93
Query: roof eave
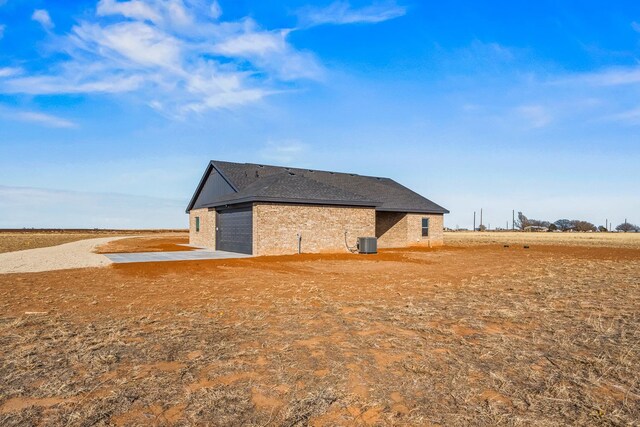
x: 291, y: 201
x: 424, y: 211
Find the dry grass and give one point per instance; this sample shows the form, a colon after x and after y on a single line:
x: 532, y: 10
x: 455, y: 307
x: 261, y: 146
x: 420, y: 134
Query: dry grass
x: 11, y: 241
x: 479, y: 336
x: 607, y: 240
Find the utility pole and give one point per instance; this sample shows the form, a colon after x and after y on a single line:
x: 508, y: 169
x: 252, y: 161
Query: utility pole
x: 513, y: 220
x: 507, y: 226
x: 481, y: 219
x: 474, y: 220
x: 606, y: 224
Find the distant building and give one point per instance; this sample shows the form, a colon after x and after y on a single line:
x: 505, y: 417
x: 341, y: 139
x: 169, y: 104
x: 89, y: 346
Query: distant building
x: 534, y: 228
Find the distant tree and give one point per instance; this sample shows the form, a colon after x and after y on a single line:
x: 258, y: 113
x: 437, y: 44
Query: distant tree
x: 626, y: 226
x: 602, y: 228
x: 579, y: 225
x: 522, y: 222
x: 552, y: 227
x: 482, y: 227
x: 564, y: 224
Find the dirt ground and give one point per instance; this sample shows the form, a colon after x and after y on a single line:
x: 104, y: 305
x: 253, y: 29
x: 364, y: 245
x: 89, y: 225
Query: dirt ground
x: 168, y: 243
x: 473, y: 334
x: 16, y: 240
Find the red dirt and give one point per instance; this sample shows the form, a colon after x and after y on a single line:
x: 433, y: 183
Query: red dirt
x: 158, y: 284
x: 448, y: 336
x: 146, y: 244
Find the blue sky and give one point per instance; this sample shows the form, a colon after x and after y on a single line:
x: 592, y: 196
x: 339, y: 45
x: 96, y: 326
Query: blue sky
x: 110, y: 110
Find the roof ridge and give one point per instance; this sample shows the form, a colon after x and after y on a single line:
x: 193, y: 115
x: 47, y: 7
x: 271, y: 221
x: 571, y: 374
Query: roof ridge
x: 287, y: 168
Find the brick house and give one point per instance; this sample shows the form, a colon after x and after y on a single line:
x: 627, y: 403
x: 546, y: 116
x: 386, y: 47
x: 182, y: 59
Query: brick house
x: 272, y: 210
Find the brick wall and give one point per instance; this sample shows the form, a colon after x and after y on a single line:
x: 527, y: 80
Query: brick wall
x: 397, y: 229
x: 391, y: 229
x: 206, y: 237
x: 436, y: 230
x: 275, y: 227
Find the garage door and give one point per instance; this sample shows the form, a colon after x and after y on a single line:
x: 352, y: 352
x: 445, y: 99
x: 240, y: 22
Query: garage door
x: 234, y: 230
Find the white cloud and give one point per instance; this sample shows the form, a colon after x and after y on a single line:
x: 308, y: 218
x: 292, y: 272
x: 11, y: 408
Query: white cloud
x: 2, y: 28
x: 42, y: 16
x: 39, y: 118
x: 341, y: 12
x: 490, y: 51
x: 630, y: 116
x: 608, y: 77
x: 9, y: 71
x: 635, y: 26
x: 135, y: 9
x: 70, y: 84
x: 215, y: 10
x: 190, y: 17
x: 254, y: 43
x: 224, y: 99
x: 137, y: 42
x: 164, y: 13
x: 270, y: 50
x: 176, y: 56
x: 536, y: 115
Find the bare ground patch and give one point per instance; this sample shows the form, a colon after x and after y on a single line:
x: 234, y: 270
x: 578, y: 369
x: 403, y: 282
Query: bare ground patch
x: 165, y: 243
x: 483, y: 335
x: 18, y: 240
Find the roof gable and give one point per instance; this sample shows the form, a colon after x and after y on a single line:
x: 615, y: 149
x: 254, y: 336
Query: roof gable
x: 212, y: 185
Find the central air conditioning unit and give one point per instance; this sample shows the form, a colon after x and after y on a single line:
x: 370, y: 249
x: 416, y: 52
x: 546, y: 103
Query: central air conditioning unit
x: 367, y: 245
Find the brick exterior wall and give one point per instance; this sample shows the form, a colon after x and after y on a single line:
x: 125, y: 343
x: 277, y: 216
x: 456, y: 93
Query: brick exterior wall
x: 391, y: 229
x: 206, y: 237
x: 398, y: 229
x: 436, y: 230
x: 275, y: 227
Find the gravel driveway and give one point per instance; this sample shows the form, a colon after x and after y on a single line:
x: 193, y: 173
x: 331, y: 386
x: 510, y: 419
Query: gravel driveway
x: 69, y: 255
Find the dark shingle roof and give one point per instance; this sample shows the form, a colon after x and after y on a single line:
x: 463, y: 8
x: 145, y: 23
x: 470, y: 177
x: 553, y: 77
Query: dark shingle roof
x: 255, y: 182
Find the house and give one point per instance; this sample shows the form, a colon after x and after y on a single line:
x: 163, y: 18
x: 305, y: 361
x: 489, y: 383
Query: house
x: 272, y: 210
x: 536, y: 228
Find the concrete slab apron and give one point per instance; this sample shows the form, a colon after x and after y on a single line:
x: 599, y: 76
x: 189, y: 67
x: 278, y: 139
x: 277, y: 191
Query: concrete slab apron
x: 172, y: 256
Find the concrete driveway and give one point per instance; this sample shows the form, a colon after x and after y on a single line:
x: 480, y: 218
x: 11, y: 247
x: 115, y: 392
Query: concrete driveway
x: 173, y: 256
